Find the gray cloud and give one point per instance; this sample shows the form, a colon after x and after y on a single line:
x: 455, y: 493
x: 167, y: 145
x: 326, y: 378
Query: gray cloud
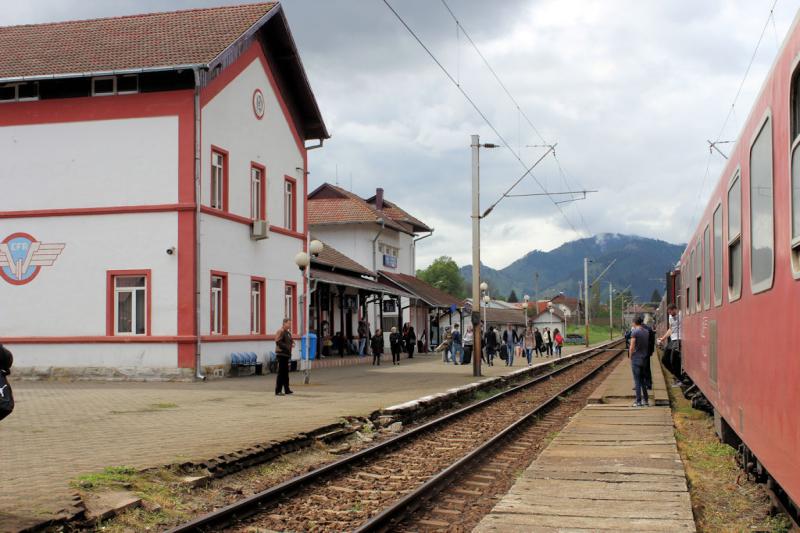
x: 629, y: 89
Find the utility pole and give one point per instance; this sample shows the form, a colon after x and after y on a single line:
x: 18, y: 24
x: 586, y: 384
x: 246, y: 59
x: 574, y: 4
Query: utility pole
x: 586, y: 298
x: 580, y: 302
x: 476, y: 258
x: 536, y: 290
x: 610, y: 311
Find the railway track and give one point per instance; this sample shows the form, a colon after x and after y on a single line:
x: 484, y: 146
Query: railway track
x: 383, y: 486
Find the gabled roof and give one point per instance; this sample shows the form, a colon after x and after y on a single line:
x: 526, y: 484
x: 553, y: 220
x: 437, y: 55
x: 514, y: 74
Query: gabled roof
x: 201, y: 38
x: 331, y: 257
x: 505, y: 316
x: 329, y: 204
x: 399, y: 215
x: 422, y: 290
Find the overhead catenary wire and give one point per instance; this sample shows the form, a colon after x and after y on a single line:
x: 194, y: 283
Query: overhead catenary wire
x: 701, y: 190
x: 480, y: 112
x: 520, y: 111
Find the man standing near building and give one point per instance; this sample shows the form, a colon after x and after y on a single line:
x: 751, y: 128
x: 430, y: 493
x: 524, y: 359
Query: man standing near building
x: 283, y: 351
x: 637, y: 352
x: 395, y: 342
x: 510, y: 340
x: 672, y: 353
x: 456, y: 348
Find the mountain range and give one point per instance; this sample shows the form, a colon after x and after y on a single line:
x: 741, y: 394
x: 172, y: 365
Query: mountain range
x: 641, y: 264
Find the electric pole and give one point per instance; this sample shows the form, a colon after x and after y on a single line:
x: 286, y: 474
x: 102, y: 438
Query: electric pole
x: 476, y: 258
x: 610, y: 311
x: 586, y: 298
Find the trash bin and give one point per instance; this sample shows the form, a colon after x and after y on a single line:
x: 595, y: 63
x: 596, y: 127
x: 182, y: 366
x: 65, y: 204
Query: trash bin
x: 311, y: 338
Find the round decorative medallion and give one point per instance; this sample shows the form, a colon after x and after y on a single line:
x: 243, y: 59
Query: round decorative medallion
x: 258, y: 104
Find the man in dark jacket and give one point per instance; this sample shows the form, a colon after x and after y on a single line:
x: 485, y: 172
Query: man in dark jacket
x: 395, y: 343
x: 283, y: 351
x: 376, y: 343
x: 647, y: 377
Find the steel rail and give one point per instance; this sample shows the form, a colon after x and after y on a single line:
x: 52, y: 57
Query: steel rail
x: 258, y: 502
x: 413, y: 500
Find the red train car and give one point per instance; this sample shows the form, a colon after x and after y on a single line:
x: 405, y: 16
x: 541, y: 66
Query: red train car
x: 740, y: 284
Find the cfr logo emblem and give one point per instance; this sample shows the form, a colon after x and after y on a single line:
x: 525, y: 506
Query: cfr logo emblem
x: 258, y: 104
x: 22, y: 257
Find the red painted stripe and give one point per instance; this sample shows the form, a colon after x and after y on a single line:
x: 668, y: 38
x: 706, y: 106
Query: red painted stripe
x: 105, y: 210
x: 287, y: 232
x: 247, y: 221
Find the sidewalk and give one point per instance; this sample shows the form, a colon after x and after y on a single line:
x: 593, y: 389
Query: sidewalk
x: 61, y: 430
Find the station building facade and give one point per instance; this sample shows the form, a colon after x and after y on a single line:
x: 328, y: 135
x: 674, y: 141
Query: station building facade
x: 154, y: 190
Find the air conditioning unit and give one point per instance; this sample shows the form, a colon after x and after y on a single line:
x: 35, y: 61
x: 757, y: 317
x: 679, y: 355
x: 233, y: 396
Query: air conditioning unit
x: 259, y: 230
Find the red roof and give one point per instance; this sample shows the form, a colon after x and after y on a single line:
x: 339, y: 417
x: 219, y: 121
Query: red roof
x: 329, y: 204
x: 192, y: 37
x: 422, y: 290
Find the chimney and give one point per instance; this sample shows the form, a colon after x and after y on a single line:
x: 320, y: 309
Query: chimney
x: 379, y: 199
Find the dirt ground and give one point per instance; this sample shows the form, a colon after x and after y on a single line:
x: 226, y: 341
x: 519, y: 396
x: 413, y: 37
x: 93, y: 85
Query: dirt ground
x: 723, y: 499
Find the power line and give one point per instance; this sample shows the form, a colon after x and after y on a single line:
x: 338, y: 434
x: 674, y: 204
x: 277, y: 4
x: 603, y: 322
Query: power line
x: 730, y: 112
x: 479, y: 111
x: 520, y: 111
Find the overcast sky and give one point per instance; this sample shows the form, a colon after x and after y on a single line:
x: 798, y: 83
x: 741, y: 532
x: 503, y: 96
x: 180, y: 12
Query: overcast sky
x: 629, y: 89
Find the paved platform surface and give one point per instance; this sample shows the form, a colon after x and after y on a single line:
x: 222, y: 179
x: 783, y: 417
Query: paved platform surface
x: 613, y: 468
x: 61, y: 430
x: 618, y: 388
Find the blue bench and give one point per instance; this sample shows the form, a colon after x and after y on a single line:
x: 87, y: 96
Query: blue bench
x: 241, y: 360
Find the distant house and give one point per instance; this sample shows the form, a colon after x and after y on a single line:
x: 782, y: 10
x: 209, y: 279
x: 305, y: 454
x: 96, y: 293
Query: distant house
x: 381, y: 237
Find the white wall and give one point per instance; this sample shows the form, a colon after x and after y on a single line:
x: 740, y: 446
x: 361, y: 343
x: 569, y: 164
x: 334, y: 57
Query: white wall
x: 229, y: 123
x: 90, y: 164
x: 353, y: 240
x: 69, y: 298
x: 154, y: 355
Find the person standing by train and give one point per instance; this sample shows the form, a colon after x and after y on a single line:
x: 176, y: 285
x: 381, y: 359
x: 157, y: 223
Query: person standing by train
x: 672, y: 353
x: 637, y: 353
x: 283, y: 352
x: 651, y: 347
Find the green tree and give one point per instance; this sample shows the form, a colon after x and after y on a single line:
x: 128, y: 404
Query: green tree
x: 656, y: 296
x: 512, y: 297
x: 444, y: 275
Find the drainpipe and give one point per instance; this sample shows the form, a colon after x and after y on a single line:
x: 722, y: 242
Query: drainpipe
x: 414, y: 249
x: 198, y: 369
x: 374, y: 256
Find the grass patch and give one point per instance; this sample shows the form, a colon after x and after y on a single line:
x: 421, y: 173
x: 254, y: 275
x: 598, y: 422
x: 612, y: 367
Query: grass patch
x: 487, y: 393
x: 112, y: 477
x: 722, y: 498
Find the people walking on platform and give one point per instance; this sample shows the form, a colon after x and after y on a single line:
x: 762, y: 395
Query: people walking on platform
x: 548, y: 341
x: 283, y: 352
x: 363, y: 335
x: 469, y: 342
x: 376, y: 343
x: 672, y: 352
x: 540, y: 346
x: 651, y: 347
x: 510, y: 340
x: 637, y: 352
x: 455, y: 342
x: 410, y: 340
x: 529, y: 344
x: 446, y: 345
x: 395, y: 345
x: 491, y: 345
x: 559, y: 341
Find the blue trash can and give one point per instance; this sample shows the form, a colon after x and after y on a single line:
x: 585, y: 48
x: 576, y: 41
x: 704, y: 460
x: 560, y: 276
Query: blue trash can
x: 312, y: 346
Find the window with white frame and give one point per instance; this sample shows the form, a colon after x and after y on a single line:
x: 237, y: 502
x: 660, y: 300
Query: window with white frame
x: 289, y: 298
x: 288, y: 205
x: 19, y: 92
x: 706, y: 267
x: 256, y: 306
x: 217, y: 304
x: 217, y: 180
x: 762, y: 234
x: 130, y: 305
x: 110, y: 85
x: 718, y: 255
x: 256, y: 193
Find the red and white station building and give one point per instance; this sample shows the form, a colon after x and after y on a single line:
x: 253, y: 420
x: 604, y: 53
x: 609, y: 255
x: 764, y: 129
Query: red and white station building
x: 154, y: 189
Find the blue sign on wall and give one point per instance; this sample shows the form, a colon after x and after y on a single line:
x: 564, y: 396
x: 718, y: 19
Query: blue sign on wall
x: 389, y: 261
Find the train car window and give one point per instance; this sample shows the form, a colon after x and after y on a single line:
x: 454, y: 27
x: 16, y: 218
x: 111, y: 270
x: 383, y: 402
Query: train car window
x: 761, y: 213
x: 718, y: 255
x: 706, y: 268
x: 735, y: 239
x: 692, y: 281
x: 795, y: 196
x: 697, y: 256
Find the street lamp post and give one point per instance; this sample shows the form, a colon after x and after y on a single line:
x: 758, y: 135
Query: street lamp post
x: 303, y: 260
x: 525, y: 302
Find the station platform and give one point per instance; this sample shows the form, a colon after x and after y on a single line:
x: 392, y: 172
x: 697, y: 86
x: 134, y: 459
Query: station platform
x: 614, y: 467
x: 618, y: 388
x: 60, y: 430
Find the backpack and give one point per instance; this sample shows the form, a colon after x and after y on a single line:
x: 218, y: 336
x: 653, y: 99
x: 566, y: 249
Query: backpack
x: 6, y: 359
x: 504, y: 352
x: 651, y: 341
